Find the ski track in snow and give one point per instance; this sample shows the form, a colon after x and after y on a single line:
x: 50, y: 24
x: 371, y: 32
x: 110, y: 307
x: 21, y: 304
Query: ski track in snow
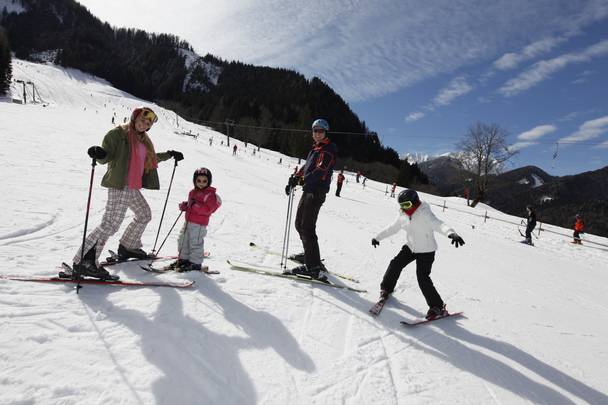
x: 530, y: 332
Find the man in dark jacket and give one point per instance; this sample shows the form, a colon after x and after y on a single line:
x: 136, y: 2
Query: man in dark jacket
x: 316, y: 178
x: 531, y: 224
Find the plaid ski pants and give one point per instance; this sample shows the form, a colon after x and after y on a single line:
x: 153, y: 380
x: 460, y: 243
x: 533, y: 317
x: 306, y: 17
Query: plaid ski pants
x: 116, y: 209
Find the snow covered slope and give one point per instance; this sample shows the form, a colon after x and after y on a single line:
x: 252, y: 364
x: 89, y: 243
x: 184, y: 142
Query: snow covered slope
x: 534, y: 332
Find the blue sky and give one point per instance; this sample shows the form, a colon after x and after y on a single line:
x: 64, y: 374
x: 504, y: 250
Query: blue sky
x: 420, y: 73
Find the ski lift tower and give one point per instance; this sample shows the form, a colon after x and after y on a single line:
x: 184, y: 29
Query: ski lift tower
x: 33, y: 91
x: 229, y: 123
x: 24, y: 101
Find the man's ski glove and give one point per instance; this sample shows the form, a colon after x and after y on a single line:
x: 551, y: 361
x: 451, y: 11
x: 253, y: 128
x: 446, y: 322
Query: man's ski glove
x: 456, y: 240
x: 291, y: 183
x: 176, y: 155
x: 97, y: 152
x: 375, y: 243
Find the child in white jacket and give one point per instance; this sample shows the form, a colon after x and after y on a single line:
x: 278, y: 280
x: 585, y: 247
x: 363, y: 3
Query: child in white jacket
x: 419, y: 223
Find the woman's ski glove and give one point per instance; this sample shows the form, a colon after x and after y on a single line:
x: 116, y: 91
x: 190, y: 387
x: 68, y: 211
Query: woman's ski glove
x: 183, y: 206
x: 176, y: 155
x: 375, y: 243
x: 97, y: 152
x: 456, y: 240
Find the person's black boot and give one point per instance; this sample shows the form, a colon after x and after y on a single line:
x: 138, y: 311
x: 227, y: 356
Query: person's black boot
x: 88, y: 268
x: 297, y: 257
x: 126, y: 253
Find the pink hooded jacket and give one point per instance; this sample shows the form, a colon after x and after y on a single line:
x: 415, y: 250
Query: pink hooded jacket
x: 200, y: 205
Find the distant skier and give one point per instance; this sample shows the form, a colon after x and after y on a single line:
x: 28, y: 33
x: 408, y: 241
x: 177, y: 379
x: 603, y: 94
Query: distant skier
x: 339, y: 182
x: 579, y: 227
x: 364, y: 180
x: 316, y: 177
x: 419, y: 223
x: 358, y: 175
x: 234, y: 148
x: 132, y: 163
x: 202, y: 202
x: 393, y: 188
x: 530, y: 224
x: 466, y: 195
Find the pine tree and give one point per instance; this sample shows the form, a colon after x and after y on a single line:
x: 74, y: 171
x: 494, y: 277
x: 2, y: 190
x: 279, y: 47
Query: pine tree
x: 5, y: 64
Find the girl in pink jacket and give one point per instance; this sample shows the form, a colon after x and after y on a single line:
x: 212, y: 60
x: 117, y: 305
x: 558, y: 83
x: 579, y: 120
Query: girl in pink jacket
x: 202, y: 202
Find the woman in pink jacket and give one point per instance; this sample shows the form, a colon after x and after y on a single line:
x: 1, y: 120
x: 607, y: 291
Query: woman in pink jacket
x: 202, y: 202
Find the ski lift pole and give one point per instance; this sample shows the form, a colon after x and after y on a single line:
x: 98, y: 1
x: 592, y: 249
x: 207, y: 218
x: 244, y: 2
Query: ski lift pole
x: 164, y: 208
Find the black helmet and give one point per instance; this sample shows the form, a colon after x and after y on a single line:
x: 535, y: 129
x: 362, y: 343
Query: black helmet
x: 409, y: 194
x: 203, y: 171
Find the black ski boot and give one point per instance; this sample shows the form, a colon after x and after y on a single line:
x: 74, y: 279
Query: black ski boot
x: 126, y: 253
x: 436, y: 312
x: 316, y: 272
x: 88, y: 268
x: 298, y: 258
x: 179, y: 263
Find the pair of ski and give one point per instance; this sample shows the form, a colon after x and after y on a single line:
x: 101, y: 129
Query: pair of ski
x: 272, y: 252
x: 66, y: 275
x: 114, y: 259
x: 377, y: 308
x: 269, y: 271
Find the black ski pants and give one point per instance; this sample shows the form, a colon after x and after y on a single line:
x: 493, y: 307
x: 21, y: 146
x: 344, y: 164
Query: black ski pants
x: 424, y: 263
x: 338, y: 189
x: 529, y: 229
x: 306, y: 225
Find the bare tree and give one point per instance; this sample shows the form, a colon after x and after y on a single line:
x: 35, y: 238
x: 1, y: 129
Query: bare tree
x: 483, y: 151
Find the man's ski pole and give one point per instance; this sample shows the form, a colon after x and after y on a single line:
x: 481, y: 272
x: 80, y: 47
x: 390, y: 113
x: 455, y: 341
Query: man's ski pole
x: 286, y: 233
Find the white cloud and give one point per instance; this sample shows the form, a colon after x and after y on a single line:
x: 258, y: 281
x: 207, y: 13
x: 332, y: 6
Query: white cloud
x: 415, y: 116
x: 542, y: 70
x: 457, y: 87
x: 529, y: 138
x: 512, y: 60
x: 536, y: 133
x: 361, y: 49
x: 603, y: 145
x: 589, y: 130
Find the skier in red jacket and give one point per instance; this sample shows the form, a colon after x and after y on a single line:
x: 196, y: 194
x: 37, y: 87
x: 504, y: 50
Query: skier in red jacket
x: 579, y: 227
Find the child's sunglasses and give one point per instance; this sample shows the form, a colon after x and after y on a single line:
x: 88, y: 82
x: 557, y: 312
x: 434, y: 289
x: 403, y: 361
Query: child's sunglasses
x: 406, y: 205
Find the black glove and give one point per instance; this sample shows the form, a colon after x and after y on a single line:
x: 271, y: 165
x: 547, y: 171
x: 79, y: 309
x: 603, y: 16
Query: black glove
x: 456, y: 240
x: 375, y: 243
x: 97, y: 152
x: 293, y: 181
x: 287, y: 189
x: 176, y: 155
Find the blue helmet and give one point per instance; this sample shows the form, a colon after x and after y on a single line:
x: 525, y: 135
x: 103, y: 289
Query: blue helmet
x: 320, y: 123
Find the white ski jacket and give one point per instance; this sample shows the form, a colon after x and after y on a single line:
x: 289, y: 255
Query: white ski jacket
x: 419, y: 229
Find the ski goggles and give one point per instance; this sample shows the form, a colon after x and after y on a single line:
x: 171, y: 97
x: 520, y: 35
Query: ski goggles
x: 148, y: 114
x: 406, y: 205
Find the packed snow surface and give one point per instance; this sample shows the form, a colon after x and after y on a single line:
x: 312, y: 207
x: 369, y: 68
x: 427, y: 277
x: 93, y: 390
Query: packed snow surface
x: 534, y: 329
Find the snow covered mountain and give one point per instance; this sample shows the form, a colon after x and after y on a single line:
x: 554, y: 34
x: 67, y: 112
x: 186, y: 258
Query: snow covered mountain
x: 532, y: 330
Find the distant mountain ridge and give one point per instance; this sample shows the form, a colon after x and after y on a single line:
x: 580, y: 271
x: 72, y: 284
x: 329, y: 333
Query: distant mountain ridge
x: 269, y: 107
x: 557, y: 198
